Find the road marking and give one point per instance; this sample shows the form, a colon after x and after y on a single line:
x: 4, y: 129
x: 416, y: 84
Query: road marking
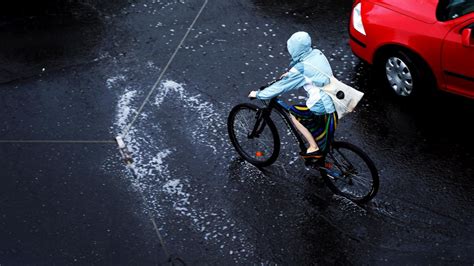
x: 60, y: 141
x: 127, y: 129
x: 139, y: 110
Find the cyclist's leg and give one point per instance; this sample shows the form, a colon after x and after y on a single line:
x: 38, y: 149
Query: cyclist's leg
x: 306, y: 134
x: 303, y: 119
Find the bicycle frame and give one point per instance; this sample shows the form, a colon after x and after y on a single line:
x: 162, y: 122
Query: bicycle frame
x: 282, y: 109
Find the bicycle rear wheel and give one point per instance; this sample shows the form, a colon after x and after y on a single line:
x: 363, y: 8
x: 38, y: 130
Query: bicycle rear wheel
x: 348, y: 171
x: 261, y: 149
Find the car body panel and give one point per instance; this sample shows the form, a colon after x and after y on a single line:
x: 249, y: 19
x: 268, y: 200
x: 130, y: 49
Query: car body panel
x: 422, y: 10
x: 458, y: 60
x: 424, y: 36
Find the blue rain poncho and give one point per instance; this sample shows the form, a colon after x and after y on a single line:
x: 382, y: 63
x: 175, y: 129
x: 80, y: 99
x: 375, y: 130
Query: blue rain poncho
x: 305, y: 72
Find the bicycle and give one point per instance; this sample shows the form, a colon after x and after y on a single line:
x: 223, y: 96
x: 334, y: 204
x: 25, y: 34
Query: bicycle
x: 346, y: 169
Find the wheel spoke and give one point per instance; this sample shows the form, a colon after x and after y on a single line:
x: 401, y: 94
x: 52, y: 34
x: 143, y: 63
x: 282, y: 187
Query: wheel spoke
x: 257, y: 149
x: 349, y: 174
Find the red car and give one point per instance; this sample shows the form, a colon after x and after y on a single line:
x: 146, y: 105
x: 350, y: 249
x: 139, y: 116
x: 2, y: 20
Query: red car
x: 415, y: 43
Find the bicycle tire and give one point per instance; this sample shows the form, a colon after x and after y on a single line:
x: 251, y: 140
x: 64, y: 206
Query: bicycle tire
x: 341, y: 180
x: 253, y: 153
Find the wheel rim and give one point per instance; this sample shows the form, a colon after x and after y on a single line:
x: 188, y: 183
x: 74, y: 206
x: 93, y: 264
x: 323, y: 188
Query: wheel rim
x: 258, y: 149
x: 353, y: 179
x: 399, y: 76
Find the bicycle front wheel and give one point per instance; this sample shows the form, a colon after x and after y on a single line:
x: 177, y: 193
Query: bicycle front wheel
x: 262, y: 147
x: 348, y: 171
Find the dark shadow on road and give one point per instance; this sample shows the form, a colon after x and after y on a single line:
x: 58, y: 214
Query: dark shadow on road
x: 311, y: 228
x: 440, y: 118
x: 300, y: 8
x: 45, y: 35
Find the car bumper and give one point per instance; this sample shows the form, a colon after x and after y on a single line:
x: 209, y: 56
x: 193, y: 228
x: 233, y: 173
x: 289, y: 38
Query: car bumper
x: 359, y: 45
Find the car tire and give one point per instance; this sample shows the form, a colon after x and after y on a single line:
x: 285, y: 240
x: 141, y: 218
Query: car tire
x: 404, y: 74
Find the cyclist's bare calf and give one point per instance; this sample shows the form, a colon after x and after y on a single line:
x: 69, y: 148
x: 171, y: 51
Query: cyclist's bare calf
x: 306, y: 134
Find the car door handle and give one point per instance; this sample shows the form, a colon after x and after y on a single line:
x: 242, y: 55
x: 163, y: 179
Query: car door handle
x: 467, y: 37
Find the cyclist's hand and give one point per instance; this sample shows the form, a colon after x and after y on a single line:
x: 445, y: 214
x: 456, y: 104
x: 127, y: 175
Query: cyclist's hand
x: 252, y: 95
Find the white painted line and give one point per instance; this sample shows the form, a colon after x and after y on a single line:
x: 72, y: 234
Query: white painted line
x: 139, y: 110
x: 60, y: 141
x: 127, y: 129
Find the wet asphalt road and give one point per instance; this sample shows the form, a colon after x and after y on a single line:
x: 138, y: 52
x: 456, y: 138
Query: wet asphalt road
x: 81, y: 70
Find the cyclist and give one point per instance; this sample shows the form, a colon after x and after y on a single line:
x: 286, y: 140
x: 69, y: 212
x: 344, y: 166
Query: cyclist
x: 317, y: 120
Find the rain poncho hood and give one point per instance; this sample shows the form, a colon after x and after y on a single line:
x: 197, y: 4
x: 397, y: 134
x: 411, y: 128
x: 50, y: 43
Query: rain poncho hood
x: 299, y: 46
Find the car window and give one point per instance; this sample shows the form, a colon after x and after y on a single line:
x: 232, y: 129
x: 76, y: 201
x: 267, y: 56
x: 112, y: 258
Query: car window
x: 451, y: 9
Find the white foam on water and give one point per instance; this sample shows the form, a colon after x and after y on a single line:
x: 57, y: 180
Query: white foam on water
x: 124, y: 109
x: 175, y: 187
x: 159, y: 181
x: 208, y: 119
x: 112, y: 81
